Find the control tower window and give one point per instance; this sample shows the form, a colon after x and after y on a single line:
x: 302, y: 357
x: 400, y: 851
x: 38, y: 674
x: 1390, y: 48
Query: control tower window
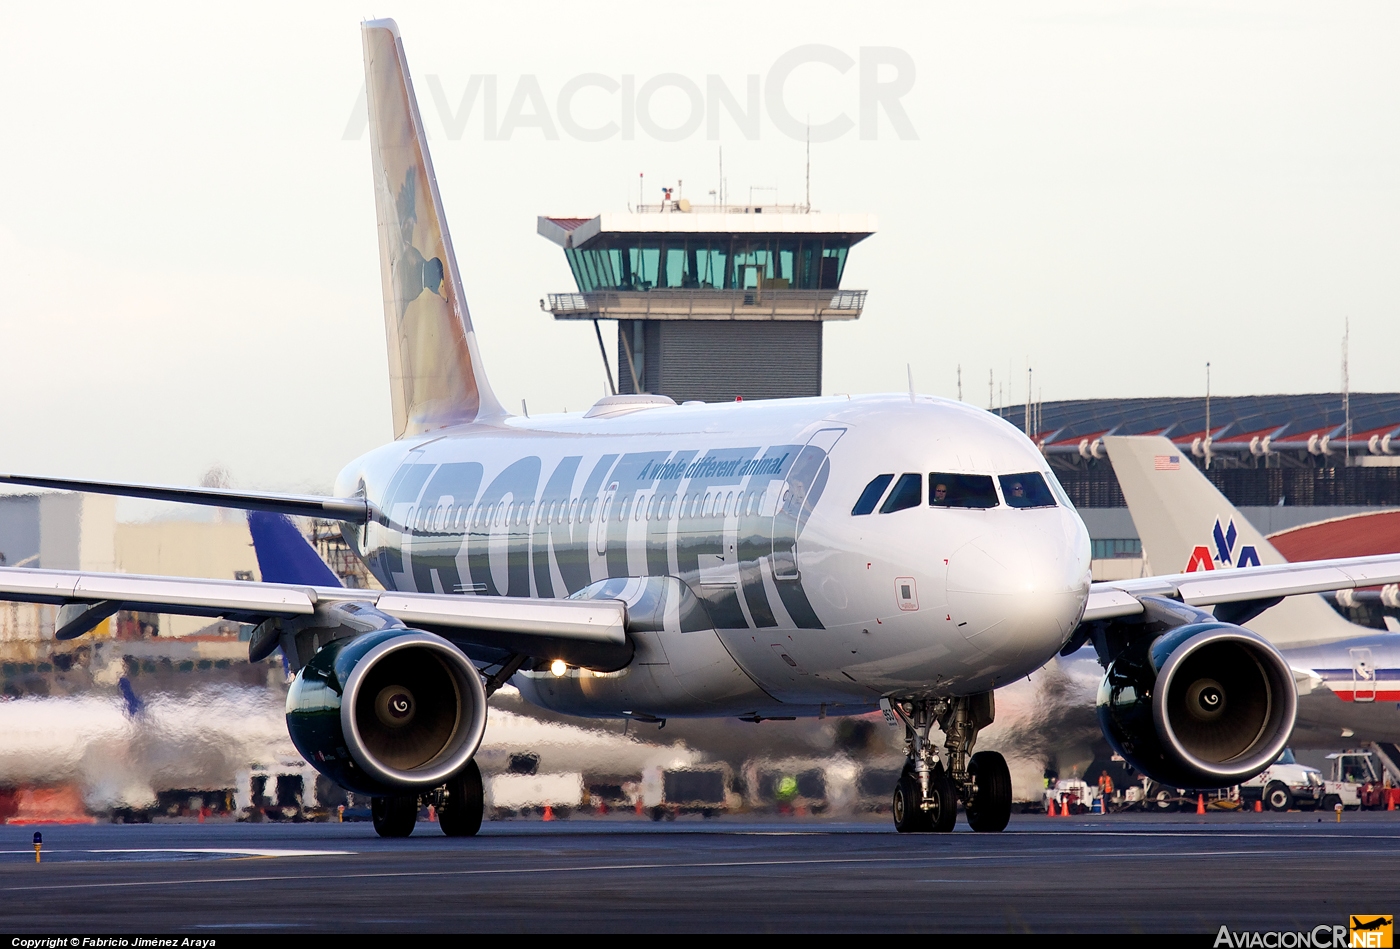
x: 908, y: 492
x: 872, y: 494
x: 631, y: 262
x: 1026, y: 490
x: 961, y: 490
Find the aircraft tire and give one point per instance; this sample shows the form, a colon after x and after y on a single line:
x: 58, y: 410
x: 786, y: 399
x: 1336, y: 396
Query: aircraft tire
x: 945, y: 816
x: 461, y: 812
x: 394, y: 816
x: 990, y: 808
x: 909, y: 818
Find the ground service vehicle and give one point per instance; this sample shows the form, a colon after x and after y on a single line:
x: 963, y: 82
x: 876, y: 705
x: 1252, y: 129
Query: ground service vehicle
x: 1284, y: 785
x: 1355, y: 782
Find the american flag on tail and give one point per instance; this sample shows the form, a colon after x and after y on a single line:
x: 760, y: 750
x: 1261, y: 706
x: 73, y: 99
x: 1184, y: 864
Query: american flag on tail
x: 1166, y: 462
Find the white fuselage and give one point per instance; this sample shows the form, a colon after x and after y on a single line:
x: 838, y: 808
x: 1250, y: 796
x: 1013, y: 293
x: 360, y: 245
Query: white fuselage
x: 747, y: 507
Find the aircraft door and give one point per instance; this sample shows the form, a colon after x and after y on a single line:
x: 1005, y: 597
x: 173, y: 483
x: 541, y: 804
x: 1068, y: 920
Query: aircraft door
x: 792, y: 499
x: 600, y: 525
x: 1363, y: 675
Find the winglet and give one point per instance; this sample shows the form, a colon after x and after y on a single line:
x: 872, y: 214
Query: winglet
x: 435, y: 372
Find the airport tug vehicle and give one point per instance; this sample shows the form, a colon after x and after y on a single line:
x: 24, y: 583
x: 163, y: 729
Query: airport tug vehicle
x: 1356, y: 783
x: 643, y: 560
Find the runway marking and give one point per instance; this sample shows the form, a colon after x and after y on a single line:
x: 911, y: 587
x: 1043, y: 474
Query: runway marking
x: 235, y: 851
x: 1314, y: 835
x: 595, y: 868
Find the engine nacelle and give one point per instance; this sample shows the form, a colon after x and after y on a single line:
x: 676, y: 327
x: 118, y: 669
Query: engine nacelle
x: 1210, y: 705
x: 388, y: 712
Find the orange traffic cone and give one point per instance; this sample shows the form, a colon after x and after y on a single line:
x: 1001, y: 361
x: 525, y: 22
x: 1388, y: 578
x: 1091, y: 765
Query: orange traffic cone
x: 1200, y: 803
x: 1064, y: 807
x: 1049, y: 807
x: 548, y: 812
x: 1259, y: 806
x: 1390, y: 799
x: 432, y: 814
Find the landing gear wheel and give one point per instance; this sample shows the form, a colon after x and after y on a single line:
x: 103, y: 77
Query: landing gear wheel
x: 460, y: 813
x: 989, y: 809
x: 394, y: 816
x: 909, y: 818
x: 1277, y: 797
x: 944, y: 813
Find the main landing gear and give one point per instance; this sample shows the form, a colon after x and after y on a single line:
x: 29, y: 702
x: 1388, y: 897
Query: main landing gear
x: 459, y: 804
x: 927, y: 794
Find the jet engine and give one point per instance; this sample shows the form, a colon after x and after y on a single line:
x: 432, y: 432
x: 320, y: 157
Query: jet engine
x: 1205, y: 705
x: 387, y: 712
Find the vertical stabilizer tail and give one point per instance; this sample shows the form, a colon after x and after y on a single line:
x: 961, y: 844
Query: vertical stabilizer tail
x: 435, y: 372
x: 284, y: 555
x: 1187, y: 525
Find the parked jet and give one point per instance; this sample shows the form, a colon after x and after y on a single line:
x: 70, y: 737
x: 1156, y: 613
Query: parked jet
x: 1348, y: 676
x: 752, y: 559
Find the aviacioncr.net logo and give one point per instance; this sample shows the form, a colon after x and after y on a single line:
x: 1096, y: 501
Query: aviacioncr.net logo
x: 1372, y: 932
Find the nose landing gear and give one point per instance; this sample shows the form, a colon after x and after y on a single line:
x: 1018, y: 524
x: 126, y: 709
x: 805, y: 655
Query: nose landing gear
x: 927, y: 794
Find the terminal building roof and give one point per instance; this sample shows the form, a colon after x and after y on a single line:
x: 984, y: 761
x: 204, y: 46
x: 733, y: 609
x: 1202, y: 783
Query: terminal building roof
x: 1256, y: 425
x: 705, y: 220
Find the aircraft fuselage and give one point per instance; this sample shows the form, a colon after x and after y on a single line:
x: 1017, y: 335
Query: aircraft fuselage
x: 749, y: 506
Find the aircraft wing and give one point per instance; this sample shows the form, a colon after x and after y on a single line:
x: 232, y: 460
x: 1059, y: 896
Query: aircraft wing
x: 533, y: 627
x: 301, y: 505
x: 1240, y: 585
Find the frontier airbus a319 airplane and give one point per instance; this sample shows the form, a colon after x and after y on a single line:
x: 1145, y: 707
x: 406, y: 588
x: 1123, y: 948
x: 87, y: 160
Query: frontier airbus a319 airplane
x: 762, y: 559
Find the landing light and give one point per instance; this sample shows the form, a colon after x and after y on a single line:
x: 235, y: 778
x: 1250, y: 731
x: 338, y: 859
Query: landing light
x: 558, y: 667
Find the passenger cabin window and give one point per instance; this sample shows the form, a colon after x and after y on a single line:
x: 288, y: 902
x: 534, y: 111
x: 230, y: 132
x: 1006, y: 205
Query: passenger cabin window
x: 961, y: 490
x: 1026, y: 490
x: 872, y: 494
x: 908, y: 492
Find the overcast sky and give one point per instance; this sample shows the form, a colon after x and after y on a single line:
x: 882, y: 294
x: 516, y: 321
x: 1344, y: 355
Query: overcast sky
x: 1114, y: 193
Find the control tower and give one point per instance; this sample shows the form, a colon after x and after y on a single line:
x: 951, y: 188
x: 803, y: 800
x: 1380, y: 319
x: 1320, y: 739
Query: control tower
x: 712, y: 302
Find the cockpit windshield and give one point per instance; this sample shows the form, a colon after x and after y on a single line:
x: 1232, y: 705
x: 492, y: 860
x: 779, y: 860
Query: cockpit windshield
x: 961, y: 490
x: 1026, y: 490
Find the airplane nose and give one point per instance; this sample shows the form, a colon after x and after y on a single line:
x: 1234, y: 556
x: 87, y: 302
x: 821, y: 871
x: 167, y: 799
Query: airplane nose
x: 1019, y: 593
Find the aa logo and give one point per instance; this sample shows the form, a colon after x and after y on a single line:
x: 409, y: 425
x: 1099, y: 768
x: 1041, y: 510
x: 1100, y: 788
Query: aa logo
x: 1202, y: 558
x: 1372, y: 932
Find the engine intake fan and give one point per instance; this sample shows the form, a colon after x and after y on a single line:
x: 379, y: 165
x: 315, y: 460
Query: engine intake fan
x: 1209, y: 705
x: 388, y: 712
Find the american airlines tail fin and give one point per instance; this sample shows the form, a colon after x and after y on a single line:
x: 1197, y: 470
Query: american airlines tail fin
x: 435, y: 372
x: 1187, y: 525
